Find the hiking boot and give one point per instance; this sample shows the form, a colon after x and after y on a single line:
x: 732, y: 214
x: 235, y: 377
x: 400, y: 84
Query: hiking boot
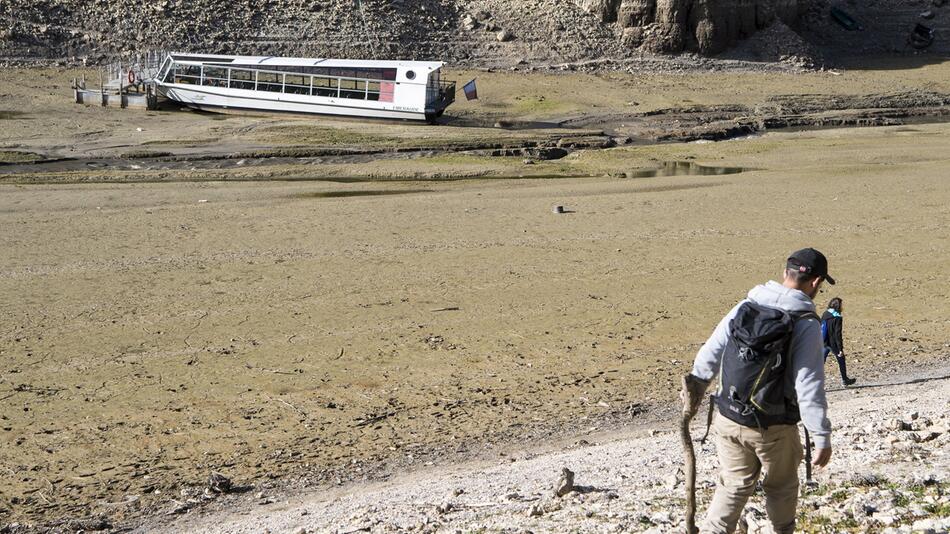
x: 849, y: 381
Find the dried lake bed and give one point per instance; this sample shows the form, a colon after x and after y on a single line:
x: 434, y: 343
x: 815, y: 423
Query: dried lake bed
x: 297, y: 325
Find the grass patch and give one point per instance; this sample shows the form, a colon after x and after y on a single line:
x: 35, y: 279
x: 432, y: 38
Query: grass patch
x: 902, y: 500
x: 180, y: 142
x: 537, y: 105
x: 839, y: 496
x: 940, y: 510
x: 9, y: 114
x: 13, y: 156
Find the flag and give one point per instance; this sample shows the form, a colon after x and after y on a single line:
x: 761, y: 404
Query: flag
x: 471, y: 92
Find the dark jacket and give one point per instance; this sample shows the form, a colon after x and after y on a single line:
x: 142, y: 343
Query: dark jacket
x: 833, y: 340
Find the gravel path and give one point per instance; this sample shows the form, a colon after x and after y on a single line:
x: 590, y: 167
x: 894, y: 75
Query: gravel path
x: 889, y: 472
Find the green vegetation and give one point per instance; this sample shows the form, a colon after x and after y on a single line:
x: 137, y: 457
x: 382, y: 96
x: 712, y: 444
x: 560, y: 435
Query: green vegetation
x: 7, y: 114
x: 13, y: 156
x: 839, y: 496
x: 180, y: 142
x: 938, y: 509
x: 421, y: 137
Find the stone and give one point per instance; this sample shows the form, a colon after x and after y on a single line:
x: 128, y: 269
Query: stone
x: 674, y: 480
x: 565, y: 483
x: 219, y: 483
x: 504, y: 36
x: 885, y: 519
x: 605, y: 10
x: 924, y: 436
x: 896, y: 425
x: 469, y: 23
x: 636, y: 13
x: 444, y: 508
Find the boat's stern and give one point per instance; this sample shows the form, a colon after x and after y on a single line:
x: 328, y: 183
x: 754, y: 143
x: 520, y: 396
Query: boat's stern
x: 439, y: 95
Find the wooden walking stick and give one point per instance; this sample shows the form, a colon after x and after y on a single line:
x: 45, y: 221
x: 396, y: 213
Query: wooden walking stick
x: 693, y: 391
x: 808, y: 481
x: 690, y: 461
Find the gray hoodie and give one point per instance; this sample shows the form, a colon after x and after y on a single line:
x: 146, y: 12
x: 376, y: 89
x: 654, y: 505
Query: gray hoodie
x: 806, y: 374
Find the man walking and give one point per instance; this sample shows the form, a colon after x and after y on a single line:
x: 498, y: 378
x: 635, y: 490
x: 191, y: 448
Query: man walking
x: 768, y: 352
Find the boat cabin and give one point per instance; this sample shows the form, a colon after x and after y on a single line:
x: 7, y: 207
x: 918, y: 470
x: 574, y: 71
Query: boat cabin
x: 361, y: 88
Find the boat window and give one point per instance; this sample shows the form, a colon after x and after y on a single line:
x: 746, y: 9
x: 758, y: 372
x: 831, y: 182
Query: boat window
x: 166, y: 66
x: 354, y: 89
x: 330, y: 72
x: 188, y: 74
x: 215, y: 77
x: 410, y: 75
x: 242, y: 79
x: 325, y: 86
x: 298, y: 85
x: 372, y: 92
x: 270, y: 81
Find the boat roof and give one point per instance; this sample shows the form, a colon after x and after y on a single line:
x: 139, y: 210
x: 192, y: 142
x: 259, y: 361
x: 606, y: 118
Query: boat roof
x: 272, y: 61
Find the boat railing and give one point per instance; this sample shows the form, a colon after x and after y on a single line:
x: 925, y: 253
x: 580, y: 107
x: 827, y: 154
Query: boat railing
x: 441, y: 95
x: 123, y: 70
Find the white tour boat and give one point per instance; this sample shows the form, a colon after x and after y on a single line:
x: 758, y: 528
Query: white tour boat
x: 360, y: 88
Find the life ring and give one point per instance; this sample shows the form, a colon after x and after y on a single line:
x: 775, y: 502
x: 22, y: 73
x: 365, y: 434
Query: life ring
x: 131, y: 76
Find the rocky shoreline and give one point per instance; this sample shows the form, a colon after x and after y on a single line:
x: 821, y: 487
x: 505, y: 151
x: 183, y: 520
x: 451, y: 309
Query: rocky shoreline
x: 888, y: 474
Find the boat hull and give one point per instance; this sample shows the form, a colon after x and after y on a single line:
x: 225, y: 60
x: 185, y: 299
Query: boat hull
x: 212, y: 99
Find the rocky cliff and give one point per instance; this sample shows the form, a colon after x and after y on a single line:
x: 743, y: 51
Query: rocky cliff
x: 472, y: 32
x: 454, y: 30
x: 705, y: 26
x: 555, y: 30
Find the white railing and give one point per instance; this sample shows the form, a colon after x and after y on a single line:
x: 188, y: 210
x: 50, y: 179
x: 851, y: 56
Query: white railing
x: 144, y: 67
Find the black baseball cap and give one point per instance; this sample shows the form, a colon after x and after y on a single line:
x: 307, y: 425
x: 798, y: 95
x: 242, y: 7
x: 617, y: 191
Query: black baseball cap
x: 809, y: 260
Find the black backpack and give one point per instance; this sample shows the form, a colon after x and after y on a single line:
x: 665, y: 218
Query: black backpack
x: 754, y: 365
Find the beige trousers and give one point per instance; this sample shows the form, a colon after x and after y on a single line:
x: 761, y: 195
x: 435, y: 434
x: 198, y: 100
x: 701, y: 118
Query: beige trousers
x: 744, y: 453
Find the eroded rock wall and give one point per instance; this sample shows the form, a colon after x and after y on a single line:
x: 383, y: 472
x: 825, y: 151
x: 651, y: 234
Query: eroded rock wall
x: 462, y: 32
x: 704, y: 26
